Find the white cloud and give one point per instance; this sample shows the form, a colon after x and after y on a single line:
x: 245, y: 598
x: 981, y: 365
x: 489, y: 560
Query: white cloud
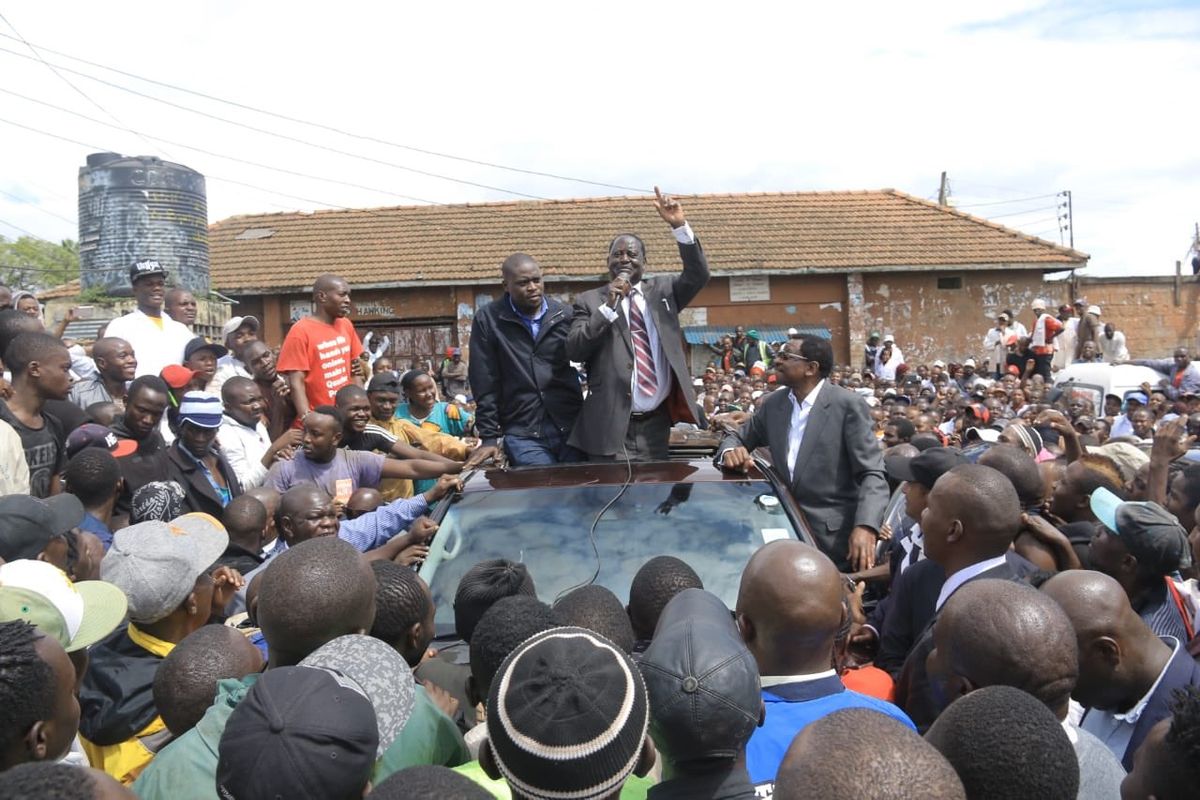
x: 1017, y: 100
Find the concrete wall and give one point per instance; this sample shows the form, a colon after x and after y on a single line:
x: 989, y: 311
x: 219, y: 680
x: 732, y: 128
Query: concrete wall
x: 931, y: 323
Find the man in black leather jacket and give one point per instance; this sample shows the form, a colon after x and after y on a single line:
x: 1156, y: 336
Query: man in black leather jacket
x: 524, y: 387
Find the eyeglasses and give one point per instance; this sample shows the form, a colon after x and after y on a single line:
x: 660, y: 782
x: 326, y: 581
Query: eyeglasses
x: 784, y: 355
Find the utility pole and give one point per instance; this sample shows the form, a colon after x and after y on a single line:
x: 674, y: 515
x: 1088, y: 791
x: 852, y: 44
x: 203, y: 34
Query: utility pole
x: 1066, y: 218
x: 943, y: 190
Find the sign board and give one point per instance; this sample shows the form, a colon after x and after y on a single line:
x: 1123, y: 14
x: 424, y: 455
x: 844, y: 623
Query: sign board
x: 693, y: 316
x: 299, y: 309
x: 749, y: 288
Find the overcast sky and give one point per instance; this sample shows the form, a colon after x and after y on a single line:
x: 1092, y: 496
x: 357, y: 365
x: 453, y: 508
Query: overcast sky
x: 1015, y: 100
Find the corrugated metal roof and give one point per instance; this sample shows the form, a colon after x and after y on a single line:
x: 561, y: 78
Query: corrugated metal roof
x: 711, y: 334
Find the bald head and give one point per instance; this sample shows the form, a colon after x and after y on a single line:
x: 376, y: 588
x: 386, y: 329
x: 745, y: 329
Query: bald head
x: 1120, y: 658
x: 790, y: 608
x: 1002, y: 633
x: 516, y: 261
x: 301, y: 498
x: 971, y: 514
x: 889, y: 759
x: 328, y: 283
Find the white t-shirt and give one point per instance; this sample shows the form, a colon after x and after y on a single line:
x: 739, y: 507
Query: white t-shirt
x: 155, y: 347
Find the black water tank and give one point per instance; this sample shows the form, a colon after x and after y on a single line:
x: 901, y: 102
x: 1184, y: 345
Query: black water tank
x: 141, y: 207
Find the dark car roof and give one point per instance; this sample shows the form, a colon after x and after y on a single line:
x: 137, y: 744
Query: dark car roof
x: 587, y: 474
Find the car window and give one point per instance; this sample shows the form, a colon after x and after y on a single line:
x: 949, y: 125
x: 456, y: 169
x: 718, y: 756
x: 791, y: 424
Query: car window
x: 715, y: 527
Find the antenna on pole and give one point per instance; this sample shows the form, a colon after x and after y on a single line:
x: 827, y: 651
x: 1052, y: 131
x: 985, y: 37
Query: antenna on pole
x: 943, y: 190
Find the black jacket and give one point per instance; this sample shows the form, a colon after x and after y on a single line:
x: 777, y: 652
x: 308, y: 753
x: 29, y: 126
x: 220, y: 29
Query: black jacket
x: 517, y: 381
x: 116, y: 699
x: 201, y: 496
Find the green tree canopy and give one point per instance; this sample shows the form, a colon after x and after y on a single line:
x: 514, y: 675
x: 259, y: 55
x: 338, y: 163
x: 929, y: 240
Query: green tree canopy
x: 36, y: 264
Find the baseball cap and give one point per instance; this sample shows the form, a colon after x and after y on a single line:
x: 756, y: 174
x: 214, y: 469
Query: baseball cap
x: 92, y: 435
x: 384, y: 382
x: 177, y: 376
x: 236, y: 322
x: 989, y: 435
x: 382, y: 674
x: 980, y: 412
x: 926, y: 467
x: 792, y: 332
x: 1038, y: 305
x: 1094, y: 310
x: 567, y: 714
x: 202, y: 409
x: 76, y: 615
x: 1137, y: 397
x: 156, y: 563
x: 298, y: 733
x: 1064, y: 307
x: 1002, y: 316
x: 30, y: 523
x: 141, y: 269
x: 970, y: 362
x: 200, y: 343
x: 889, y: 338
x: 1149, y: 532
x: 701, y: 681
x: 939, y: 363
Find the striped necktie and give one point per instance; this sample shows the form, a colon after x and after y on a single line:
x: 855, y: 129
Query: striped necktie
x: 647, y: 378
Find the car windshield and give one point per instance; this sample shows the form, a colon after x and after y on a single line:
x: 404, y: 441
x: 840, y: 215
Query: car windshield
x: 713, y: 526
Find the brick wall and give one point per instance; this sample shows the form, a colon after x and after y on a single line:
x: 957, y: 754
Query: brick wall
x: 1145, y: 309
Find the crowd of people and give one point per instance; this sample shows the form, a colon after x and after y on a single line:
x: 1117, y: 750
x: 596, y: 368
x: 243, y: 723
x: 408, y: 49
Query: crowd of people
x: 208, y: 553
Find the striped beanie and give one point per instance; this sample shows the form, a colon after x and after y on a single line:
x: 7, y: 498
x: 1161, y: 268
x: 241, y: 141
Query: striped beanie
x: 202, y: 409
x: 566, y: 716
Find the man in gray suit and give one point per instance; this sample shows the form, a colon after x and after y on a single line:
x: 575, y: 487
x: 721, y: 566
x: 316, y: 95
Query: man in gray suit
x: 822, y: 446
x: 627, y: 333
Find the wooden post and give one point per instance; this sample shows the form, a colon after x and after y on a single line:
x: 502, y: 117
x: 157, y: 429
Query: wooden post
x: 1178, y: 275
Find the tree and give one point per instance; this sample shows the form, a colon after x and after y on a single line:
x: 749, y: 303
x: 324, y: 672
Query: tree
x: 36, y: 264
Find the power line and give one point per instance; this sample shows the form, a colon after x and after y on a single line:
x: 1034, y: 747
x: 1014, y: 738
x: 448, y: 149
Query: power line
x: 339, y: 131
x: 1007, y: 202
x: 38, y: 208
x: 19, y: 228
x: 238, y: 159
x: 67, y: 81
x: 293, y: 139
x: 277, y: 193
x: 1026, y: 212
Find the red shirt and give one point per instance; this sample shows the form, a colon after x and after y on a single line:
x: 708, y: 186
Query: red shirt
x: 324, y: 353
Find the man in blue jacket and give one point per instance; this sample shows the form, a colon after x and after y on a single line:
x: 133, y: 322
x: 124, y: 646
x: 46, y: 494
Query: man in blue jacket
x: 524, y: 386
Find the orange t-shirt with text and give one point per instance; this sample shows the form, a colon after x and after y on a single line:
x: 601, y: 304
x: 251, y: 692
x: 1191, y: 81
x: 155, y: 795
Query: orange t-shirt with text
x: 324, y: 352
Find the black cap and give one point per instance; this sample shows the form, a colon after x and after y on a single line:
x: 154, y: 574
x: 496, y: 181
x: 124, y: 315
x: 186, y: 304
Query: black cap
x: 925, y: 468
x: 300, y: 732
x: 702, y: 681
x: 200, y: 343
x: 30, y: 523
x: 141, y: 269
x: 384, y: 382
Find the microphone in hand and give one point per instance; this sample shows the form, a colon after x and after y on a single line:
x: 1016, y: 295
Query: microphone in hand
x: 619, y: 288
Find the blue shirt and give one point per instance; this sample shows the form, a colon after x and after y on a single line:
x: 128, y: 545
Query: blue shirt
x: 93, y: 525
x: 532, y: 324
x: 790, y: 707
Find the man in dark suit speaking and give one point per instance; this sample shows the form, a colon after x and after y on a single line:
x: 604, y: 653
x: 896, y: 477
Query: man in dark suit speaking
x: 822, y: 447
x: 627, y: 333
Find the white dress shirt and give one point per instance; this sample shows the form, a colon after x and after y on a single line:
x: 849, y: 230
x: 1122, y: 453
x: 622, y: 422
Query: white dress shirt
x: 800, y: 411
x: 244, y: 448
x: 962, y: 576
x: 1115, y: 729
x: 662, y: 369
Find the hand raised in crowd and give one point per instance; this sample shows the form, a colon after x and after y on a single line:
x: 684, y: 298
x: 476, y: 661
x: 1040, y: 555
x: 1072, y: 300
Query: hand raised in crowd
x: 283, y: 448
x: 226, y: 582
x: 1057, y: 421
x: 669, y: 208
x: 443, y: 487
x: 282, y: 388
x: 1171, y: 441
x: 862, y: 548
